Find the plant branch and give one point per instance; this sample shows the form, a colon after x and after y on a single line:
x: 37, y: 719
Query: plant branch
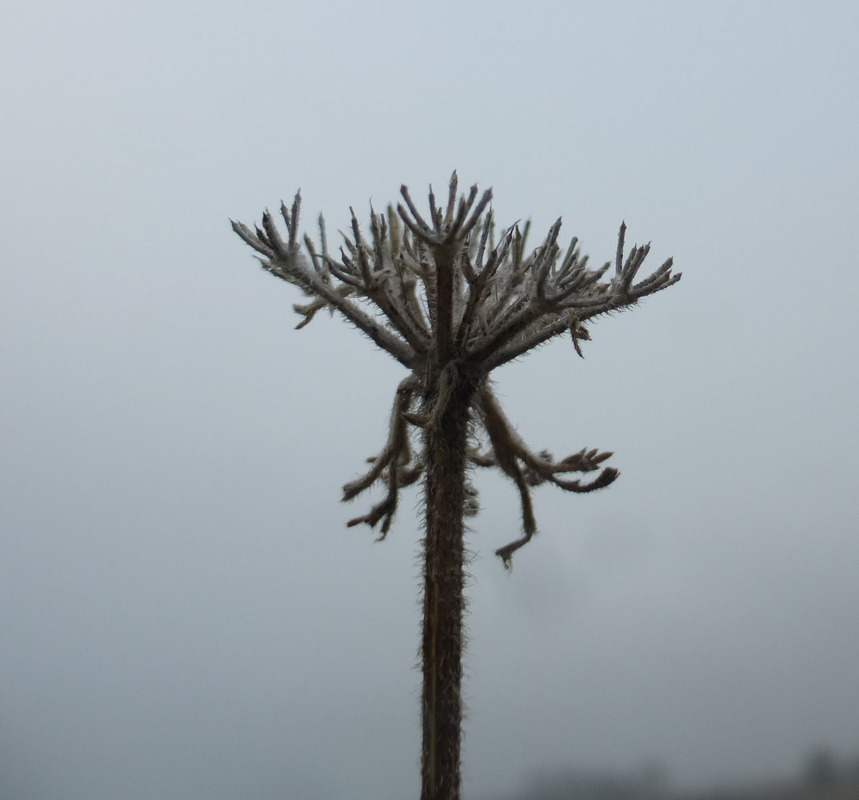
x: 393, y: 466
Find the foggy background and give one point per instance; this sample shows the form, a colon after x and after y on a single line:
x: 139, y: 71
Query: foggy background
x: 183, y: 613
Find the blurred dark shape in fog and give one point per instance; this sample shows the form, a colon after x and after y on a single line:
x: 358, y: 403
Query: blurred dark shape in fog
x: 822, y: 776
x: 649, y: 783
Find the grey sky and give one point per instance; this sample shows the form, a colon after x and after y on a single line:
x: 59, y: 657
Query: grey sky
x: 182, y: 610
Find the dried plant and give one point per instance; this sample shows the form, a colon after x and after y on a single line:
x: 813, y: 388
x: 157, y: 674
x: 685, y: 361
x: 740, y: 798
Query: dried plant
x: 451, y: 304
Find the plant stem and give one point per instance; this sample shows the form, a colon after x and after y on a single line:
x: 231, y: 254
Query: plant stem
x: 444, y: 578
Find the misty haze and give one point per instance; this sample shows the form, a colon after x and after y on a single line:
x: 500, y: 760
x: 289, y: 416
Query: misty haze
x: 184, y: 614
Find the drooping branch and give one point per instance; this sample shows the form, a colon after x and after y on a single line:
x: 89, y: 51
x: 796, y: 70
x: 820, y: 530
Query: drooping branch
x: 394, y: 465
x: 510, y: 453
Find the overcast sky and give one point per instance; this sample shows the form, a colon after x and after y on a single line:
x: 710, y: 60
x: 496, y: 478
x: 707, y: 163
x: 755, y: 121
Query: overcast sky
x: 183, y: 613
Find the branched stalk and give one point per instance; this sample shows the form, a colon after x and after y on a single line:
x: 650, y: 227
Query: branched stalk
x: 451, y: 305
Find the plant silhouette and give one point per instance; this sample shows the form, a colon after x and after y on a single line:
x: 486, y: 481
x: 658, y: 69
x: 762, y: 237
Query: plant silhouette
x: 451, y: 304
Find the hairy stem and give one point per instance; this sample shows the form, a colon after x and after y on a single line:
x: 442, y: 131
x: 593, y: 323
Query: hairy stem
x: 444, y: 578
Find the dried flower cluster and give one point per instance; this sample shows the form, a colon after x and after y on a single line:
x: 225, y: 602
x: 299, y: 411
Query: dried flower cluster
x: 451, y: 304
x: 447, y: 300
